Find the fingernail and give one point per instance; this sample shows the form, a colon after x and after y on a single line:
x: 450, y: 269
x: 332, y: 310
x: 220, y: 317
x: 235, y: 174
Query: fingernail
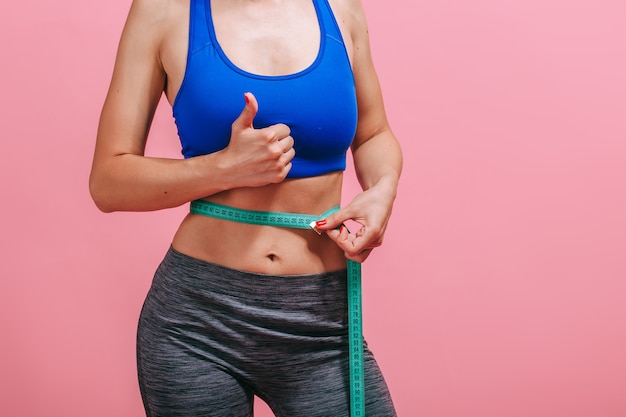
x: 341, y: 228
x: 321, y: 223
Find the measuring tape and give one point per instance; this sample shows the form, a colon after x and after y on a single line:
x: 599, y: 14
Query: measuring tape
x: 355, y: 313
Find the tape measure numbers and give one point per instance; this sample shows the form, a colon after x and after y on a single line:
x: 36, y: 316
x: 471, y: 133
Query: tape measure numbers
x: 355, y: 333
x: 355, y: 311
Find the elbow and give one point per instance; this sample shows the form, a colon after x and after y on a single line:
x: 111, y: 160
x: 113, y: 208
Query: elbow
x: 99, y: 195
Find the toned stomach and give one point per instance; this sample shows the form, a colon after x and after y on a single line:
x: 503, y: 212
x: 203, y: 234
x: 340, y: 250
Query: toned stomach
x: 267, y: 249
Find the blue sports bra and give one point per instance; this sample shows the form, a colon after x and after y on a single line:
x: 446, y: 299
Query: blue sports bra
x: 318, y: 103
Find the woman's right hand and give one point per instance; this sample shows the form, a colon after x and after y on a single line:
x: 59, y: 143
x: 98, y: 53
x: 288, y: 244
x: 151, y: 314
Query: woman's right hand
x: 123, y: 178
x: 258, y: 156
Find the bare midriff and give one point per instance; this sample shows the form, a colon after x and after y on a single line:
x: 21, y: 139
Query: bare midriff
x: 267, y: 249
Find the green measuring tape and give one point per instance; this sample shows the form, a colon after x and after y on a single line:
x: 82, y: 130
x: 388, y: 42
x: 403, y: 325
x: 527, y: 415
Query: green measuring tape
x: 355, y: 313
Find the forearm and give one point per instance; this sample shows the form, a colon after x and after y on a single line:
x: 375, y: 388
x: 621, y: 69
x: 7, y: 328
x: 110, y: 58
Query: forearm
x: 378, y: 162
x: 131, y: 182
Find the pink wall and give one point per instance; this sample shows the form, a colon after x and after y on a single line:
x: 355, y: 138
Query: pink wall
x: 500, y: 290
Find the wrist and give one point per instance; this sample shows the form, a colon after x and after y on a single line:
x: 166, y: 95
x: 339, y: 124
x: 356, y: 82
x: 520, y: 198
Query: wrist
x: 387, y: 185
x: 211, y: 173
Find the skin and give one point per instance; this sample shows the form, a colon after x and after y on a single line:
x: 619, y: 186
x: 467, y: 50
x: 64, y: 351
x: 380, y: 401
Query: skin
x: 269, y: 37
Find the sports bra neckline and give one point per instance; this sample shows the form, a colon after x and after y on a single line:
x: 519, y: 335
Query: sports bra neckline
x: 218, y: 47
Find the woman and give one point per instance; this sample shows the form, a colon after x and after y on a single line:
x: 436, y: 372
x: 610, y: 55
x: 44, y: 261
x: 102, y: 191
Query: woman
x: 264, y: 94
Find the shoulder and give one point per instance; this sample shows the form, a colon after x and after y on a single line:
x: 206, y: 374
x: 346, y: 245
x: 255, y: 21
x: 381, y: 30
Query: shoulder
x: 155, y: 17
x: 351, y: 15
x: 156, y: 10
x: 351, y: 19
x: 150, y: 23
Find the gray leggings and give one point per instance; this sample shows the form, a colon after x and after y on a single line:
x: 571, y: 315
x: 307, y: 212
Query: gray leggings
x: 211, y: 337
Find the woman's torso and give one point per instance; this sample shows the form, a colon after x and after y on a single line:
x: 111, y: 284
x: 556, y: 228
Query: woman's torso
x: 269, y: 38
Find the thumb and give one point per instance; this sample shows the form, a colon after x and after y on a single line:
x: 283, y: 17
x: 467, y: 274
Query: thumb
x: 245, y: 119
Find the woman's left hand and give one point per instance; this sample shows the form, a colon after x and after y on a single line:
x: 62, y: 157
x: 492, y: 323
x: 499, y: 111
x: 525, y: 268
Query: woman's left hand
x: 371, y: 209
x: 375, y: 150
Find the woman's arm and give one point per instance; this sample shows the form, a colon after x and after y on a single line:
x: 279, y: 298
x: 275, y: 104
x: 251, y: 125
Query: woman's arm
x: 123, y: 179
x: 376, y: 152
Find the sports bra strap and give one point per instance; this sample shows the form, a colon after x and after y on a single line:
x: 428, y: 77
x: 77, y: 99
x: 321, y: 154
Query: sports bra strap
x: 198, y: 31
x: 328, y: 20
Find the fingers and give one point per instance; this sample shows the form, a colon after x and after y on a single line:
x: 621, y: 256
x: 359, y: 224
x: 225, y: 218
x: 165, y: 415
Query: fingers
x: 278, y: 132
x: 245, y: 119
x: 284, y: 150
x: 287, y: 156
x: 261, y: 156
x: 335, y: 220
x: 361, y: 257
x: 356, y: 246
x: 351, y: 244
x: 285, y: 144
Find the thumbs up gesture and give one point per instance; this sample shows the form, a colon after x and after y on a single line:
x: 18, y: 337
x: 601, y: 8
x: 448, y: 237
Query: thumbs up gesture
x: 258, y: 156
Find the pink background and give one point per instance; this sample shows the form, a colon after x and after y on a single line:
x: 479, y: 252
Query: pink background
x: 501, y: 288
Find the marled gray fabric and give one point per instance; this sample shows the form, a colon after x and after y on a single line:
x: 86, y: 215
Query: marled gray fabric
x: 211, y: 337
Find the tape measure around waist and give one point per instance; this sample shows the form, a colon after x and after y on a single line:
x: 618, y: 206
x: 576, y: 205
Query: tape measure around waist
x: 355, y: 313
